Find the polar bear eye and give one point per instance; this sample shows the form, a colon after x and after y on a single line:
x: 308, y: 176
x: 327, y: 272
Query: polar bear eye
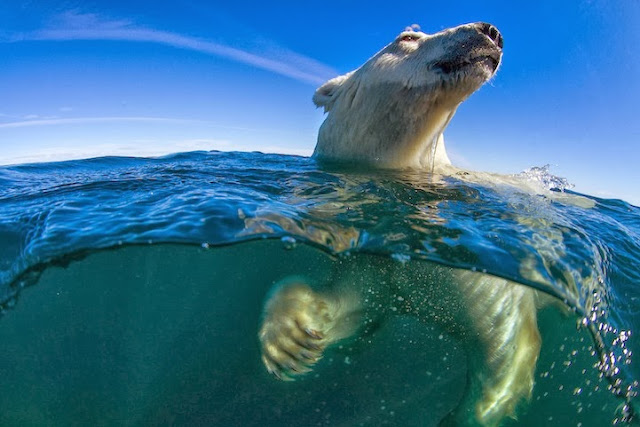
x: 408, y: 38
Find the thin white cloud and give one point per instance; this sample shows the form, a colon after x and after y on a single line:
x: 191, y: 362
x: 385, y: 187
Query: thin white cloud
x: 33, y: 117
x: 49, y: 121
x: 86, y: 120
x: 84, y: 26
x: 74, y: 19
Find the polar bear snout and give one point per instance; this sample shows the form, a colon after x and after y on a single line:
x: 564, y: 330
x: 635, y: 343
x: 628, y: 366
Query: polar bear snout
x: 491, y: 32
x: 473, y: 49
x: 492, y: 58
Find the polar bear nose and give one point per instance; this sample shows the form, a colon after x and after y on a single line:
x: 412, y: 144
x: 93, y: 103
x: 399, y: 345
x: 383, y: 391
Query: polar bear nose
x: 492, y: 32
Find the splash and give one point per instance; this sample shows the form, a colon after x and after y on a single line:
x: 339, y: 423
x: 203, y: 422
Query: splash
x: 543, y: 176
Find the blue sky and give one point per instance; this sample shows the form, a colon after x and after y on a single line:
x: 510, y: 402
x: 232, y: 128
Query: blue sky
x: 90, y: 78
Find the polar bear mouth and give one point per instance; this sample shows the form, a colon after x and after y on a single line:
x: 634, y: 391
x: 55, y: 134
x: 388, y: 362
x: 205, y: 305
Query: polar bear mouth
x: 485, y: 61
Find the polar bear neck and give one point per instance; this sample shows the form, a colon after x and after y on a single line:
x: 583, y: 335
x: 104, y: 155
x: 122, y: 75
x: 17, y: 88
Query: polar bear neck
x: 386, y: 126
x: 434, y: 155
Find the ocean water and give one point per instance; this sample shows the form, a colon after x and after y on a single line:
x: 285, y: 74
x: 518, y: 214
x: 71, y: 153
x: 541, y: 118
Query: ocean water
x: 131, y: 290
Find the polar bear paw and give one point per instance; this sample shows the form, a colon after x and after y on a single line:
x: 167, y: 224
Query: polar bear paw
x: 296, y: 329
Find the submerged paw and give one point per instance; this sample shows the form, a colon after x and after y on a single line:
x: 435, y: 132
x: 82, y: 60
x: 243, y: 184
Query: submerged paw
x: 294, y: 331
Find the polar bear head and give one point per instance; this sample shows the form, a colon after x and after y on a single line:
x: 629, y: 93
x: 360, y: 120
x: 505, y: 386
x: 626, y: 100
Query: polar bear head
x: 392, y: 110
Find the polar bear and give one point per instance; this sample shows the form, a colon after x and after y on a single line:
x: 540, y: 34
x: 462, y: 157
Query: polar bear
x: 391, y: 113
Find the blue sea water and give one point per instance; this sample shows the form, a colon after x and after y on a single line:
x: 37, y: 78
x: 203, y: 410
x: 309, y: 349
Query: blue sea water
x: 131, y: 290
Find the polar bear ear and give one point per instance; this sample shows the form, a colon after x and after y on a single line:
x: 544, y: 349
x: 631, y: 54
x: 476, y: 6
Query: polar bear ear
x: 326, y: 94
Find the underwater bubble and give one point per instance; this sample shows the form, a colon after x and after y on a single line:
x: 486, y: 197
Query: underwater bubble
x: 289, y: 242
x: 401, y: 258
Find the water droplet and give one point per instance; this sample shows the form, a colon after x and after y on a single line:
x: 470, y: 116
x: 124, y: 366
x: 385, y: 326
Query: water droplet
x: 401, y: 258
x: 289, y: 242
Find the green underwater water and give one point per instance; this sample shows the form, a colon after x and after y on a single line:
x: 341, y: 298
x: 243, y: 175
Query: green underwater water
x: 131, y: 291
x: 167, y: 335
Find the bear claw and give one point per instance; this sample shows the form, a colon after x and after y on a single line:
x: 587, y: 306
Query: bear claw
x: 313, y: 333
